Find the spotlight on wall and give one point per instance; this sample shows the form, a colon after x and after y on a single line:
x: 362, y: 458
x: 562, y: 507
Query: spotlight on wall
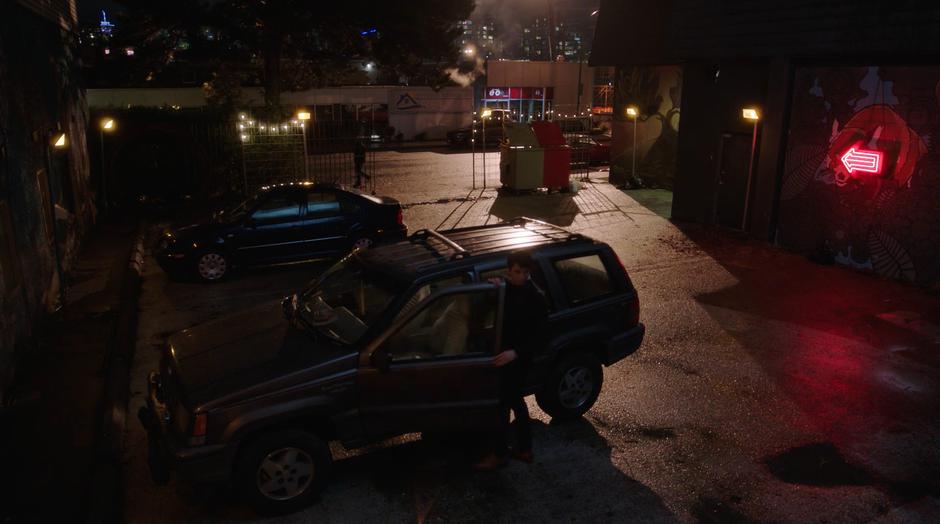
x: 60, y: 141
x: 750, y: 113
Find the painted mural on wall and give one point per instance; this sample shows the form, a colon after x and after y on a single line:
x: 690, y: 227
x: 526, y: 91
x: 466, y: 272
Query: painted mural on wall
x: 862, y: 176
x: 656, y: 92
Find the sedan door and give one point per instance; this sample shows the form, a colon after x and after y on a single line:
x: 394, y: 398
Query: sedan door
x: 272, y: 233
x: 433, y: 369
x: 327, y: 224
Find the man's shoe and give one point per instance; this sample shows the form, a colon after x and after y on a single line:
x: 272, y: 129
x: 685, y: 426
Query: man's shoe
x: 490, y: 462
x: 523, y: 456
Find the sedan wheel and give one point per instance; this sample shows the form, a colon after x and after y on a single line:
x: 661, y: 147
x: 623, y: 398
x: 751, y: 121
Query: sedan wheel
x: 211, y: 267
x: 362, y: 243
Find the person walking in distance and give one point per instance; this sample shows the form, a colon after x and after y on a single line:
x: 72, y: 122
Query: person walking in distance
x: 525, y: 319
x: 359, y: 156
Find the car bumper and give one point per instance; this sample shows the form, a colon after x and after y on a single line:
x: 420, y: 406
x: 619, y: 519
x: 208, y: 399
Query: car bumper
x: 391, y: 234
x: 623, y: 345
x: 173, y: 263
x: 208, y: 463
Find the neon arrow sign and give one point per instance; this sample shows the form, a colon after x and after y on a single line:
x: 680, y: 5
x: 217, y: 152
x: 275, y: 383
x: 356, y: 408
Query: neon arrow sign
x: 863, y: 161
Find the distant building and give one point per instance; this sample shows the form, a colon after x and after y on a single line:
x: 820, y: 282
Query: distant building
x: 105, y: 26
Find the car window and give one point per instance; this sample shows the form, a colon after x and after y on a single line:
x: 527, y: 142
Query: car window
x: 276, y: 209
x: 348, y: 204
x: 322, y: 204
x: 583, y: 278
x: 429, y: 289
x: 347, y: 300
x: 459, y: 324
x: 536, y: 276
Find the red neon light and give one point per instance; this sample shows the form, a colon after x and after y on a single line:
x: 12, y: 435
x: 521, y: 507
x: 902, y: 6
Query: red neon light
x: 862, y: 161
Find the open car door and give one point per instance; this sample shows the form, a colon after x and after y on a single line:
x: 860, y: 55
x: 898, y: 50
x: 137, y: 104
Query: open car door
x: 433, y: 369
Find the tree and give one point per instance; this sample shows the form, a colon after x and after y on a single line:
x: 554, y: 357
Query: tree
x: 294, y: 44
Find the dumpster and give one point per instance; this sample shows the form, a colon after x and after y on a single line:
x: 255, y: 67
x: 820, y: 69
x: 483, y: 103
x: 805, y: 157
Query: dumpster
x: 521, y: 160
x: 557, y: 158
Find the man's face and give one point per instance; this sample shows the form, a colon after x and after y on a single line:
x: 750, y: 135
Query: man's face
x: 517, y: 275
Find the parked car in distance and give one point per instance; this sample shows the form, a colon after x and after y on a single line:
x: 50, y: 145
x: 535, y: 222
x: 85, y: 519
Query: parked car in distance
x: 589, y: 149
x: 279, y: 224
x: 397, y: 339
x: 493, y: 126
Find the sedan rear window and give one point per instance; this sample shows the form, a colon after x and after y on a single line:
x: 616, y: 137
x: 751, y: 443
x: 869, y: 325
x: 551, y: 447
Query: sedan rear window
x: 583, y: 278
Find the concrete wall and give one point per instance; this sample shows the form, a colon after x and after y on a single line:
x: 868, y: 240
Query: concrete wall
x: 668, y: 31
x: 657, y: 92
x: 888, y: 222
x: 413, y: 111
x: 712, y: 99
x: 40, y: 98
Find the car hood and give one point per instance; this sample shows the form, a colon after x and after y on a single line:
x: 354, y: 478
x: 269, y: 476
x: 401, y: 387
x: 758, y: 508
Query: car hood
x: 248, y: 353
x: 199, y: 231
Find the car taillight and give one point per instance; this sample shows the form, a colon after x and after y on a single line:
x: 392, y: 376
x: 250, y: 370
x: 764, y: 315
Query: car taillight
x: 399, y: 218
x: 199, y: 425
x: 633, y: 310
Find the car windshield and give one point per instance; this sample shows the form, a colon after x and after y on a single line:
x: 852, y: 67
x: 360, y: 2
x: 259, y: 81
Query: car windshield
x: 346, y: 300
x: 237, y: 212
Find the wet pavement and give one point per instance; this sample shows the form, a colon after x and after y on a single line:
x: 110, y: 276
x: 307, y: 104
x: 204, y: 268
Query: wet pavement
x: 769, y: 389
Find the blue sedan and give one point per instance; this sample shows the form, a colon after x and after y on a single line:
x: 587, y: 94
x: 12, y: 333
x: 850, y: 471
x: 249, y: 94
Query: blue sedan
x: 283, y: 223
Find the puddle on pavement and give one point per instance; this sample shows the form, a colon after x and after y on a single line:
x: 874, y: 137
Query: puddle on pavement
x: 713, y: 511
x: 818, y: 464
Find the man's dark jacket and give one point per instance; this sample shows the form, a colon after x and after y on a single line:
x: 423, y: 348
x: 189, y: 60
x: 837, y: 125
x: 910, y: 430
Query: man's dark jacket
x: 525, y: 320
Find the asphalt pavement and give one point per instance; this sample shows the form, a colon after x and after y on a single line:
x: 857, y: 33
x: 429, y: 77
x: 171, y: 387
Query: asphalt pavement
x: 768, y: 389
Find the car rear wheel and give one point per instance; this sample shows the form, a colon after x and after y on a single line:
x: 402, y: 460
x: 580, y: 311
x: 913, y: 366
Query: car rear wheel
x: 283, y: 472
x: 212, y: 266
x: 362, y: 242
x: 572, y: 387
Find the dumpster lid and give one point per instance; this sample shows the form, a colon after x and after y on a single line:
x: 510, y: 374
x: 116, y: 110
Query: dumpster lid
x: 548, y: 134
x: 520, y: 134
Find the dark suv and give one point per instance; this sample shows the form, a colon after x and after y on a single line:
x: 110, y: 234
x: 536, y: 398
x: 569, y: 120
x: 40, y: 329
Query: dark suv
x: 393, y: 340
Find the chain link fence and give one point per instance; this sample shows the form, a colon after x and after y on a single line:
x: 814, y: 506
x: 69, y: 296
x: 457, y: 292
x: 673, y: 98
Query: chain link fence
x: 305, y: 151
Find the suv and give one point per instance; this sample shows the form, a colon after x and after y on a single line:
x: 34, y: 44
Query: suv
x: 397, y: 339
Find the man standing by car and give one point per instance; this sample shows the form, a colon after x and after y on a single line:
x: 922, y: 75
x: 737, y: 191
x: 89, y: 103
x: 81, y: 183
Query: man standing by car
x: 359, y: 157
x: 524, y: 324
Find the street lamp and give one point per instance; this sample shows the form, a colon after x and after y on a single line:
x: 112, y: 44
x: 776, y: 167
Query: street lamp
x: 634, y: 113
x: 60, y: 142
x: 304, y: 115
x: 106, y: 125
x: 750, y: 114
x: 484, y: 115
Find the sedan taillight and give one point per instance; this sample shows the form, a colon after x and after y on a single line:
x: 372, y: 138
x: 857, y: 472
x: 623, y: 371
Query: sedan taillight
x: 399, y: 218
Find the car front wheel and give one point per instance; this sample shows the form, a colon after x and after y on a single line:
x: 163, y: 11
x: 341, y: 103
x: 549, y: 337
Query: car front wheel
x: 572, y: 387
x: 283, y: 472
x: 212, y: 266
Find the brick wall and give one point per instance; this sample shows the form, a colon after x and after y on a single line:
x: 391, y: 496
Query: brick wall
x: 40, y: 98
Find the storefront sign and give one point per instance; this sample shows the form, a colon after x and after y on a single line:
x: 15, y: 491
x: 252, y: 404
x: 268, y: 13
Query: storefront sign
x: 517, y: 93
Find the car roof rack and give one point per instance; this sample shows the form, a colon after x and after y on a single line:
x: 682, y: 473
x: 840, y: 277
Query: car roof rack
x: 426, y: 248
x: 543, y: 229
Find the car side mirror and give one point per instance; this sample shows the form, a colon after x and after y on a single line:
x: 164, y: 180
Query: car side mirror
x: 381, y: 360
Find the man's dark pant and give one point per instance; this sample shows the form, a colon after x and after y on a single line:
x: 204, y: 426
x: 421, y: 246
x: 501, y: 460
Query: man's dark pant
x: 516, y: 404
